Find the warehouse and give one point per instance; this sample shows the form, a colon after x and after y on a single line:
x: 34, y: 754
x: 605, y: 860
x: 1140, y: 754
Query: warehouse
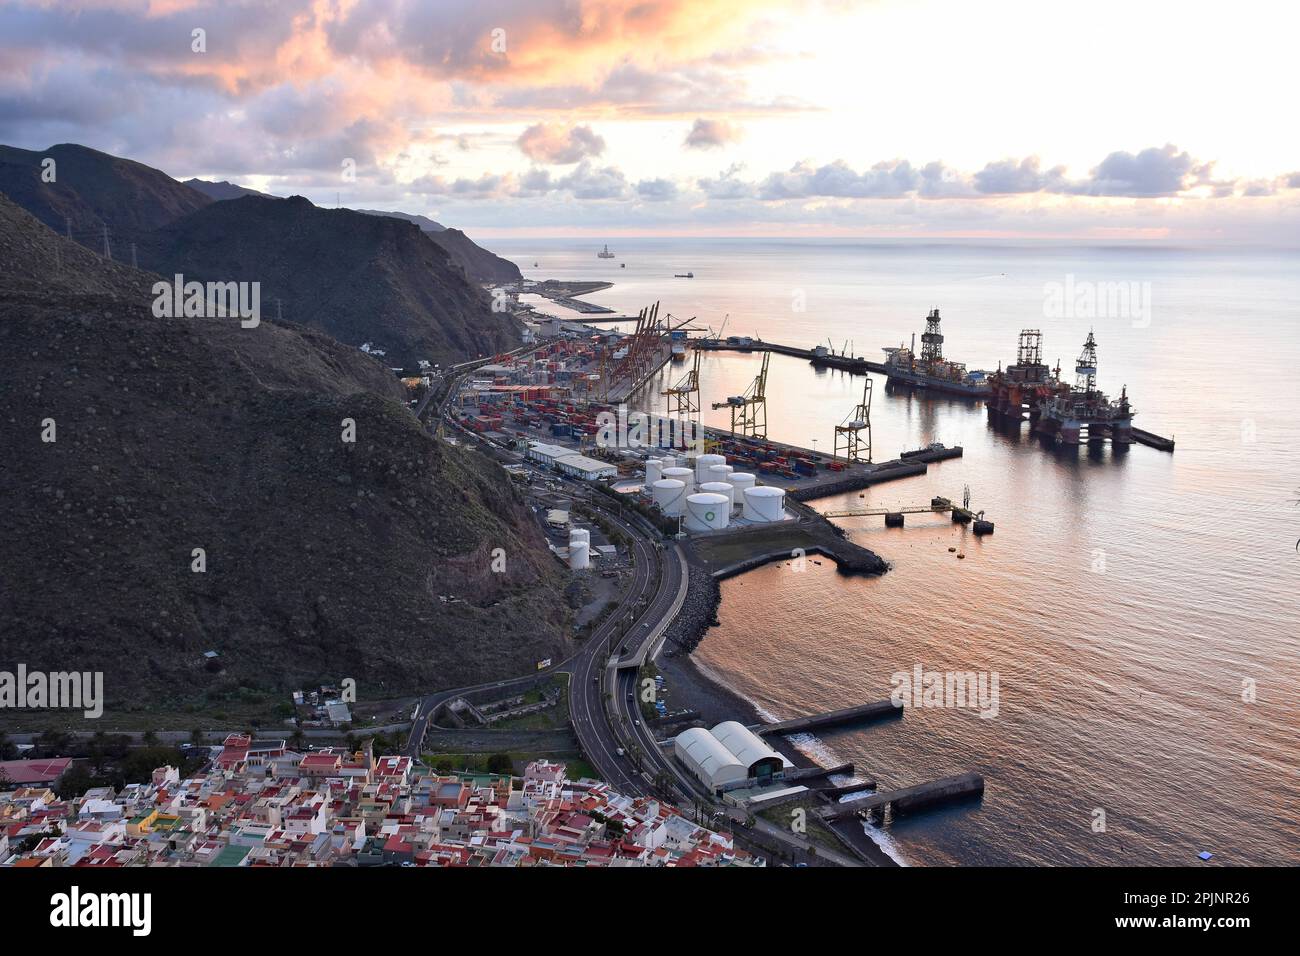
x: 729, y: 756
x: 547, y: 454
x: 708, y: 761
x: 588, y: 469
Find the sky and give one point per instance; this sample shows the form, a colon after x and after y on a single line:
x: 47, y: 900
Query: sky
x: 1140, y: 120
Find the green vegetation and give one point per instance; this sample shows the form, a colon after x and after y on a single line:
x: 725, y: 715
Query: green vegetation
x: 514, y: 762
x: 817, y: 832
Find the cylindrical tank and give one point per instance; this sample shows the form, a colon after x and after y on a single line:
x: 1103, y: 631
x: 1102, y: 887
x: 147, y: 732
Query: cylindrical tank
x: 719, y: 473
x: 684, y: 475
x: 654, y: 470
x: 707, y: 512
x: 579, y: 549
x: 669, y: 461
x: 702, y: 465
x: 739, y: 481
x: 670, y: 495
x: 720, y: 488
x: 764, y: 503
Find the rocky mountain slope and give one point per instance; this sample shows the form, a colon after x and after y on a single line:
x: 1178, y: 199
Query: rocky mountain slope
x: 359, y: 278
x: 323, y: 559
x: 91, y: 189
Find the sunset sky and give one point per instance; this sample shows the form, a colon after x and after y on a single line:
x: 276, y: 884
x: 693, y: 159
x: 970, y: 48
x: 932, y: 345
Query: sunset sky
x: 1019, y: 118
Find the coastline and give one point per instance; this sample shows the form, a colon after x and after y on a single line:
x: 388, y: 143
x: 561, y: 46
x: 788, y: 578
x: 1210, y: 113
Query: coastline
x: 696, y: 687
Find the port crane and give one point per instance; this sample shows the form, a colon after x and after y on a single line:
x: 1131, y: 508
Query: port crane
x: 848, y: 434
x: 684, y: 397
x: 749, y: 411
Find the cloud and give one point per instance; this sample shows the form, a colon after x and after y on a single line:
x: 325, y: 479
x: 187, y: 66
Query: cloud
x: 726, y: 185
x: 711, y: 134
x: 588, y: 182
x: 559, y: 145
x: 1007, y: 176
x: 657, y: 190
x: 888, y: 179
x: 1156, y: 171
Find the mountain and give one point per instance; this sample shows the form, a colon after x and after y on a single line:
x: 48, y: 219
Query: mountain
x: 424, y: 222
x: 479, y: 264
x: 359, y: 278
x: 324, y: 559
x: 90, y: 190
x: 222, y: 190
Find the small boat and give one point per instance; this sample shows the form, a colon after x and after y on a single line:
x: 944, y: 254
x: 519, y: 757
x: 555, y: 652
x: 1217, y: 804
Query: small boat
x: 605, y: 253
x: 684, y: 275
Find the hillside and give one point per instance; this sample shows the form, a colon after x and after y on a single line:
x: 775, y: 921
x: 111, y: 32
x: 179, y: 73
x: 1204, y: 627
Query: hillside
x: 359, y: 278
x: 92, y: 190
x: 479, y: 264
x: 221, y: 190
x: 323, y: 559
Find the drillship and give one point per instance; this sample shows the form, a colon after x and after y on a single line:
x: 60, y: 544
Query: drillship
x: 605, y: 253
x: 932, y: 371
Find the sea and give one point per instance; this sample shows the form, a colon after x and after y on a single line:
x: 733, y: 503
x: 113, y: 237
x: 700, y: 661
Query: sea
x: 1139, y: 608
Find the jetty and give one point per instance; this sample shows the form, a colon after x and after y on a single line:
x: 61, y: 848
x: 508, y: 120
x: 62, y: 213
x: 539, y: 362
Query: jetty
x: 909, y: 799
x: 835, y: 718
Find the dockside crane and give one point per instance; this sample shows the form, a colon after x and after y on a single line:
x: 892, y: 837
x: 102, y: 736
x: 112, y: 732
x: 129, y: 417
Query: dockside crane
x: 749, y: 411
x: 849, y: 433
x: 684, y: 397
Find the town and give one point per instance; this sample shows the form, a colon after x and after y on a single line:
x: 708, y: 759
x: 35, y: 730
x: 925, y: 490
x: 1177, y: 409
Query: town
x: 261, y: 803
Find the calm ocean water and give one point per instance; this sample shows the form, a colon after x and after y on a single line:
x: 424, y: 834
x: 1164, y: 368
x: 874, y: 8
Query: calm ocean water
x: 1125, y: 598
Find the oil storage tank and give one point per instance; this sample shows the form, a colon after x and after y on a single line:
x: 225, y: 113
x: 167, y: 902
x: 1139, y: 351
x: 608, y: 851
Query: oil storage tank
x: 707, y: 512
x: 764, y: 503
x: 670, y: 495
x: 720, y: 488
x: 685, y: 475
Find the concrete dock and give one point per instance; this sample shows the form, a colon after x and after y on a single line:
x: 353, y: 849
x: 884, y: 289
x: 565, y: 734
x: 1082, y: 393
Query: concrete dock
x: 835, y: 718
x: 909, y: 799
x: 846, y: 363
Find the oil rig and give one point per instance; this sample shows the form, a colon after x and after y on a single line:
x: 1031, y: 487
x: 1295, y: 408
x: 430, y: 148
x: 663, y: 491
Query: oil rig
x: 1069, y: 414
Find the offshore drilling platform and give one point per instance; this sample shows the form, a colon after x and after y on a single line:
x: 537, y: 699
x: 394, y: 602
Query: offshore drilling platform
x: 1070, y: 414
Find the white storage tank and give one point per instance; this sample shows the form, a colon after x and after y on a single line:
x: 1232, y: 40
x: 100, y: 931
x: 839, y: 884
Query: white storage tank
x: 670, y: 496
x: 719, y: 473
x: 684, y: 475
x: 739, y: 481
x: 702, y: 465
x: 764, y: 503
x: 720, y: 488
x: 707, y: 512
x: 579, y: 550
x: 669, y: 461
x: 654, y: 470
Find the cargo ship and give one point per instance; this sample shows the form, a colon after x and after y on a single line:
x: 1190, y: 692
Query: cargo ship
x: 931, y: 371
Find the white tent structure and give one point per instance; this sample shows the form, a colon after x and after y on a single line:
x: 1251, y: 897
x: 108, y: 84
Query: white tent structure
x: 707, y: 760
x: 728, y: 757
x: 750, y: 749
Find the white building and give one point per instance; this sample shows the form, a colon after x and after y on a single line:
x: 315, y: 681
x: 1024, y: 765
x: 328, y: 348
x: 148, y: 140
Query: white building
x: 547, y: 454
x: 729, y: 756
x: 588, y: 469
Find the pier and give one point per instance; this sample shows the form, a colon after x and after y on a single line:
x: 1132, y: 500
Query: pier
x: 835, y: 718
x: 846, y: 363
x: 909, y: 799
x: 1152, y: 440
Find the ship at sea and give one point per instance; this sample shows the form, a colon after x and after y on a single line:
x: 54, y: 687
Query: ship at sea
x: 605, y: 253
x: 931, y: 370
